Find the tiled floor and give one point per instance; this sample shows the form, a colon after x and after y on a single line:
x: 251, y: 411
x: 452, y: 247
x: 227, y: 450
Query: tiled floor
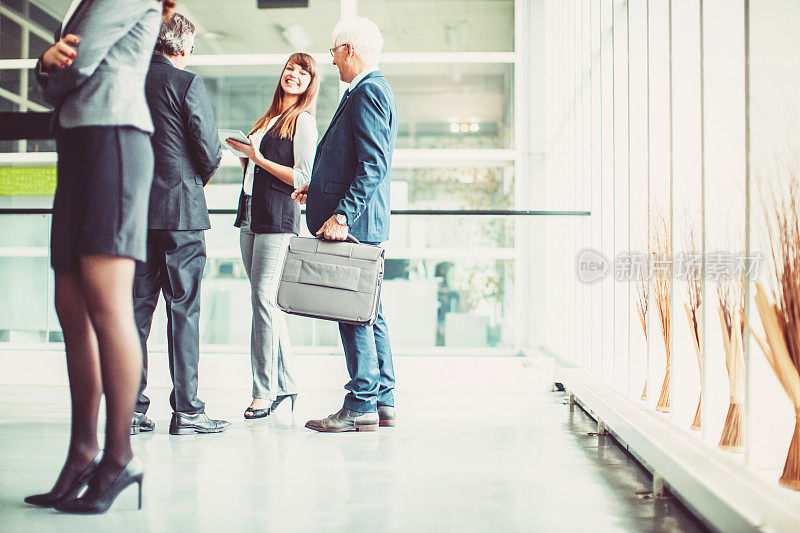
x: 456, y: 462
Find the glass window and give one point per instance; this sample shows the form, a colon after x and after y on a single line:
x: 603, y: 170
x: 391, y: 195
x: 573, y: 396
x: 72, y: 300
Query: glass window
x: 25, y: 282
x: 24, y: 231
x: 37, y: 46
x: 621, y: 188
x: 457, y: 232
x: 240, y: 95
x: 16, y: 5
x: 10, y: 80
x: 457, y: 302
x: 490, y: 187
x: 25, y: 271
x: 44, y: 19
x: 242, y: 28
x: 443, y: 26
x: 456, y: 272
x: 10, y: 39
x: 461, y: 296
x: 637, y: 79
x: 456, y: 105
x: 724, y: 198
x: 773, y: 105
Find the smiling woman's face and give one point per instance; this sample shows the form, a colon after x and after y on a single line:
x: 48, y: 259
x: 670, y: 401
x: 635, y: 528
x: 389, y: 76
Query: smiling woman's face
x: 295, y: 79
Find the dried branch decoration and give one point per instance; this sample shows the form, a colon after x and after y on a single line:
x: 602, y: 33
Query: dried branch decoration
x: 641, y: 308
x: 781, y: 319
x: 730, y: 294
x: 662, y: 287
x: 694, y: 314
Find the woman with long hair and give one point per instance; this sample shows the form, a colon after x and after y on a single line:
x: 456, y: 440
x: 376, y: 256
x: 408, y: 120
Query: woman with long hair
x: 94, y: 78
x: 279, y: 160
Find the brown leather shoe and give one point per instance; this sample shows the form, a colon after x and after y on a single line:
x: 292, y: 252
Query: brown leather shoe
x: 387, y: 416
x: 345, y: 420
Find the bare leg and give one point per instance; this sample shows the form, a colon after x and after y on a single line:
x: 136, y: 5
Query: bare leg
x: 108, y: 287
x: 83, y: 369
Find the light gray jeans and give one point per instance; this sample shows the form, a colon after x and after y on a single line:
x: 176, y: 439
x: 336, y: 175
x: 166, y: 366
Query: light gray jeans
x: 270, y: 351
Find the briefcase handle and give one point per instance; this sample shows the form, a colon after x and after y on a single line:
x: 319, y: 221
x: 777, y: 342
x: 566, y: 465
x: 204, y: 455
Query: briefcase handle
x: 349, y: 238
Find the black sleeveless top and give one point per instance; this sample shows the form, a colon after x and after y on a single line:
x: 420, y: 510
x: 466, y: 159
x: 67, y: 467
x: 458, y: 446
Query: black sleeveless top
x: 272, y: 207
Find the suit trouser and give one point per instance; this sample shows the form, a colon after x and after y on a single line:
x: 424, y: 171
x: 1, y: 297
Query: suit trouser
x: 270, y: 350
x: 368, y: 354
x: 174, y: 266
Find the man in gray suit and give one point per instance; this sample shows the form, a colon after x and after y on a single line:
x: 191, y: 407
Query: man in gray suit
x: 187, y: 152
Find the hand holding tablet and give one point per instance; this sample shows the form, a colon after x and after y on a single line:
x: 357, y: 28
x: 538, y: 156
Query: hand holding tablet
x: 236, y: 135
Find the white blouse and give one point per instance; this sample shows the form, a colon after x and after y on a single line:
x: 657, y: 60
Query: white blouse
x: 305, y: 147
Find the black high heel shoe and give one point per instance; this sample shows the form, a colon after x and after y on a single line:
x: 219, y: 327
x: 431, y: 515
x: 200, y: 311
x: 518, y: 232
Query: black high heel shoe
x: 132, y: 473
x: 50, y: 499
x: 252, y: 414
x: 277, y: 401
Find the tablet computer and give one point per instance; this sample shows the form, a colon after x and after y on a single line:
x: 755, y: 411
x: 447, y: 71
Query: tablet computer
x: 236, y: 135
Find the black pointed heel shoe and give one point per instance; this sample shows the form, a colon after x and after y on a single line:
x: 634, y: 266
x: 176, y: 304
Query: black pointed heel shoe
x: 99, y: 503
x: 50, y: 499
x: 277, y: 401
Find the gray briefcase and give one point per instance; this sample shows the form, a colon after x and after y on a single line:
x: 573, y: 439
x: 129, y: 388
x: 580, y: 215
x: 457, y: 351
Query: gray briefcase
x: 332, y: 280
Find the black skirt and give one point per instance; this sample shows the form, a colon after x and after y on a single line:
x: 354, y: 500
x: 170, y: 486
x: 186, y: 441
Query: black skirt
x: 102, y: 194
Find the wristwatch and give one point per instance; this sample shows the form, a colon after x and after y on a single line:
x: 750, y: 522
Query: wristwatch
x: 341, y: 219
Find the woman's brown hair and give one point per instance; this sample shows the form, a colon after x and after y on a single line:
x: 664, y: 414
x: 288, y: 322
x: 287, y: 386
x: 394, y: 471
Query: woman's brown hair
x: 285, y: 125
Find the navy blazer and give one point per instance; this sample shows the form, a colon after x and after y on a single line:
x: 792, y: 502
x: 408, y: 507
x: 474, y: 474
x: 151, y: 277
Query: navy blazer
x: 351, y: 172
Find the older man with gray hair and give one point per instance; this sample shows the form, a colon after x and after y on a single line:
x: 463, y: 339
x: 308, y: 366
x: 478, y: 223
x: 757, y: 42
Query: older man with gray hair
x: 349, y: 193
x: 187, y: 153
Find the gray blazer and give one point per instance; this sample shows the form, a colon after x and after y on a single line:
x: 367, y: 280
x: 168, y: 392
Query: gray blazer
x: 104, y: 86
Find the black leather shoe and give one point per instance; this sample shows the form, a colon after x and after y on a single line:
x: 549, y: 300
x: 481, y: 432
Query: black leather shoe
x: 140, y: 422
x: 345, y: 420
x: 51, y: 499
x: 189, y: 424
x: 98, y: 503
x: 387, y: 416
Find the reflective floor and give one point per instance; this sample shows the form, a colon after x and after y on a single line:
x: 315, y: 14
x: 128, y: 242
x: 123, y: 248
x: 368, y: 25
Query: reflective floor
x: 456, y: 462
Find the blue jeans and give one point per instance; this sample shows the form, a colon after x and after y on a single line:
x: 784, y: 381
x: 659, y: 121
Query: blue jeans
x: 368, y: 354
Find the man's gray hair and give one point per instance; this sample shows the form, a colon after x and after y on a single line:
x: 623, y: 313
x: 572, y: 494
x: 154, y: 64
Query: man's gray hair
x: 363, y: 35
x: 176, y: 30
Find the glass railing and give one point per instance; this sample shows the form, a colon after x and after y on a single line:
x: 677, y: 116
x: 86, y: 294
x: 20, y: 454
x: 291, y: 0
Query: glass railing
x: 456, y: 280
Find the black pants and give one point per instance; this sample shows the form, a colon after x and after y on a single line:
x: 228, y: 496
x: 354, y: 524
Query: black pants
x: 174, y: 266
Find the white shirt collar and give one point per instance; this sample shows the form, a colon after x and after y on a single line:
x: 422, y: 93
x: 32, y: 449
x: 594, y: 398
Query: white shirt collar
x: 360, y: 77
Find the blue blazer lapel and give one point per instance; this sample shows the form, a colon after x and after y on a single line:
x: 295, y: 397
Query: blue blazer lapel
x: 344, y: 102
x: 336, y: 115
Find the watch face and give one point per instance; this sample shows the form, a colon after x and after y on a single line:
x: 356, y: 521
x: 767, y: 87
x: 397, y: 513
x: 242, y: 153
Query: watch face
x: 341, y: 219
